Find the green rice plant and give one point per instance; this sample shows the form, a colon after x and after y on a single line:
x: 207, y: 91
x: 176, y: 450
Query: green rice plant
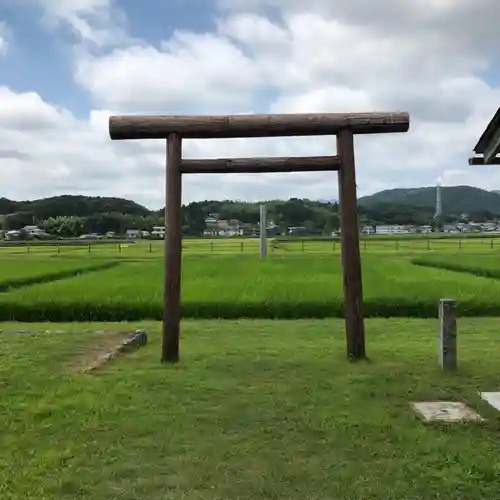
x: 479, y: 265
x: 243, y: 286
x: 30, y: 271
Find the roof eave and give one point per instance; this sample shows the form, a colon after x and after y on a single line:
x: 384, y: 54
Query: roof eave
x: 488, y: 133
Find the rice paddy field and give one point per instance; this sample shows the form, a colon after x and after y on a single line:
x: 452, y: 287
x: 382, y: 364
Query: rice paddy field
x: 227, y: 279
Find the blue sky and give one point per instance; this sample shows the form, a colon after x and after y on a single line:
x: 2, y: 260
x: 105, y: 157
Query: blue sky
x: 66, y: 65
x: 40, y: 59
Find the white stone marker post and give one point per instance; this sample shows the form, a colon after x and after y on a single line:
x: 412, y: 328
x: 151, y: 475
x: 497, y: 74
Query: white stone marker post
x: 263, y: 232
x: 447, y: 334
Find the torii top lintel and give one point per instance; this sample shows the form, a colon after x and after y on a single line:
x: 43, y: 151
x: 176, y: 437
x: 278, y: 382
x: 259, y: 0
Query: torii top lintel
x: 253, y: 125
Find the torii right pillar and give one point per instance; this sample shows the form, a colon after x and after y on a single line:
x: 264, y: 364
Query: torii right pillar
x: 351, y: 256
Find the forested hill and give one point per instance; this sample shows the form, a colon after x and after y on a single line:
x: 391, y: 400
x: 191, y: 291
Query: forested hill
x: 69, y: 215
x: 455, y: 199
x: 80, y: 206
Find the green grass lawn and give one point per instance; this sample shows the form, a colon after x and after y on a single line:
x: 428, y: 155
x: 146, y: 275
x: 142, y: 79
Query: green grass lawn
x: 255, y: 409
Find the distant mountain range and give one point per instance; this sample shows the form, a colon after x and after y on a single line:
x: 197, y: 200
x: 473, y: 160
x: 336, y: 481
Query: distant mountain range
x: 455, y: 199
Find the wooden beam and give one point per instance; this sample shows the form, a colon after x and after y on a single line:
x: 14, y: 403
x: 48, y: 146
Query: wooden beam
x: 172, y: 277
x: 351, y: 258
x: 261, y: 165
x: 206, y: 127
x: 492, y: 148
x: 479, y: 160
x: 487, y: 134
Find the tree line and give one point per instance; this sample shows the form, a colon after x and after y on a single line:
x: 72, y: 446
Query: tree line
x: 70, y: 216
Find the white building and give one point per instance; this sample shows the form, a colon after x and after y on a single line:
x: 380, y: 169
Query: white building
x: 158, y: 232
x: 490, y: 226
x: 12, y: 235
x: 34, y: 232
x: 133, y: 234
x: 219, y: 227
x: 29, y: 231
x: 391, y: 229
x: 368, y: 230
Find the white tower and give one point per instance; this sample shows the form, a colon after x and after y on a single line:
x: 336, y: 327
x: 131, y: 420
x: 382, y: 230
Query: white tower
x: 439, y: 205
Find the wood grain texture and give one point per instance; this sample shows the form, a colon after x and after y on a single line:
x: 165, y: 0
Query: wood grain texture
x: 261, y: 165
x: 493, y: 148
x: 173, y: 249
x: 351, y: 257
x: 206, y: 127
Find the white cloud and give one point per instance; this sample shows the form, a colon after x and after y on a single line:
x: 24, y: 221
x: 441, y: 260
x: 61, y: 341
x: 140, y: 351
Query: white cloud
x: 98, y: 22
x: 26, y: 112
x: 428, y: 57
x: 188, y: 72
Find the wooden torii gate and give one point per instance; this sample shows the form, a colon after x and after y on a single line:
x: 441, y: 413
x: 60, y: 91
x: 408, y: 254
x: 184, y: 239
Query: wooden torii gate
x: 343, y: 125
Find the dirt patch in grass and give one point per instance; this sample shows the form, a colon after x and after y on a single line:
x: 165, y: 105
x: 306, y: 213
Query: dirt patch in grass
x: 97, y: 345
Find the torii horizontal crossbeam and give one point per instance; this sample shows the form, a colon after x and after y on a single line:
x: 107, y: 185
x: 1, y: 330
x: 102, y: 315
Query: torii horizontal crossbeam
x: 270, y: 125
x: 261, y: 165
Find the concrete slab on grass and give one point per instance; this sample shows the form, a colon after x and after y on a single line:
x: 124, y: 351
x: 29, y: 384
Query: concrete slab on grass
x: 445, y: 411
x: 493, y: 398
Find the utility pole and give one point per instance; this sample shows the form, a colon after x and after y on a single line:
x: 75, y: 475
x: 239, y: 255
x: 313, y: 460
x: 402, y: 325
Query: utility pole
x: 263, y: 232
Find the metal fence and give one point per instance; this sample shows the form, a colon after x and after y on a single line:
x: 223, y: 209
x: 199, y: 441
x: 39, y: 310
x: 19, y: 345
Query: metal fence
x: 249, y: 246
